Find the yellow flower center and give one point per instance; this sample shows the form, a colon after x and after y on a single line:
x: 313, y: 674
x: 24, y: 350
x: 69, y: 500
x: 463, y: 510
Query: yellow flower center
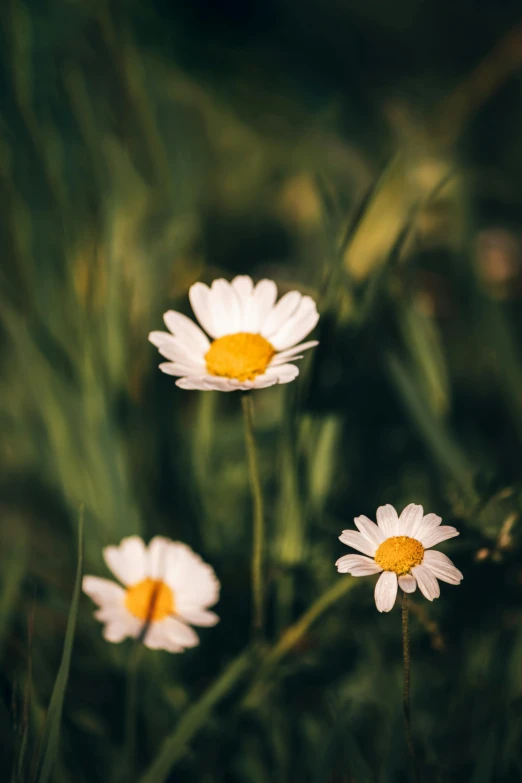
x: 241, y: 356
x: 399, y: 554
x: 150, y: 599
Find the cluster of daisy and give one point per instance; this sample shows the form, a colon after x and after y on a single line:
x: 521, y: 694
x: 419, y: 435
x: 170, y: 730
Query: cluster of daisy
x: 166, y: 588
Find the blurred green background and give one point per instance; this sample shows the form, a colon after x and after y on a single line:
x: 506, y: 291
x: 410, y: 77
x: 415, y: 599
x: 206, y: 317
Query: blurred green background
x: 368, y: 154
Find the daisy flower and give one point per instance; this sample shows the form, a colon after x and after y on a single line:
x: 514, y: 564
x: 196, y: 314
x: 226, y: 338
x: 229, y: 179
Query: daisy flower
x: 166, y: 587
x: 400, y: 548
x: 254, y: 340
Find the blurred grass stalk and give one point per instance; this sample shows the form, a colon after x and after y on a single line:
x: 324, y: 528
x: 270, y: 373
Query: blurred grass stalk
x: 291, y: 638
x: 258, y: 529
x: 51, y: 737
x: 174, y: 747
x: 12, y: 578
x: 434, y: 430
x: 406, y: 705
x: 194, y: 719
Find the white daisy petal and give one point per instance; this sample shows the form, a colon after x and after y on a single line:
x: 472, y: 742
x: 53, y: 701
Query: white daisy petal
x: 191, y: 384
x: 206, y: 383
x: 369, y: 530
x: 171, y: 635
x: 177, y: 356
x: 177, y: 351
x: 301, y: 329
x: 178, y: 369
x: 243, y: 286
x: 180, y: 632
x: 428, y: 585
x: 386, y: 591
x: 358, y: 541
x: 407, y: 583
x: 201, y: 617
x: 431, y: 520
x: 199, y: 295
x: 127, y: 561
x: 436, y: 535
x: 158, y: 557
x: 236, y: 385
x: 103, y: 591
x: 277, y: 360
x: 429, y: 523
x: 283, y: 373
x: 192, y: 581
x: 266, y: 380
x: 280, y: 313
x: 226, y: 384
x: 187, y: 331
x: 290, y: 354
x: 117, y: 630
x: 357, y: 565
x: 113, y: 611
x: 227, y: 313
x: 442, y: 567
x: 410, y: 520
x: 259, y: 306
x: 265, y: 293
x: 157, y: 638
x: 388, y: 520
x: 161, y: 338
x: 298, y: 326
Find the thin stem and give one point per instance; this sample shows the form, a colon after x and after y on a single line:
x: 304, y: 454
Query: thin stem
x: 293, y: 635
x: 258, y: 515
x: 406, y: 688
x: 195, y: 717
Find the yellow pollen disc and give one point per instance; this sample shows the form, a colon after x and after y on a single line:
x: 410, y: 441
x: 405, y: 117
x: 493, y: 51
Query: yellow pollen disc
x: 241, y: 356
x: 150, y: 599
x: 399, y: 554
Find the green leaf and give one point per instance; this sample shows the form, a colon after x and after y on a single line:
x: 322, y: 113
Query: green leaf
x: 50, y: 740
x: 175, y: 745
x: 435, y: 432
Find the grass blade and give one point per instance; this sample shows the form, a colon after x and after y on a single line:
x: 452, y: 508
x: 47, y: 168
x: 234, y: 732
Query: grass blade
x: 436, y: 434
x: 13, y: 573
x: 51, y: 734
x: 176, y: 744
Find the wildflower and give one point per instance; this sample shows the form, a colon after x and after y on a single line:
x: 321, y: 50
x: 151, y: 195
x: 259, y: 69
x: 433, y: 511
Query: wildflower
x: 254, y: 340
x: 400, y: 548
x: 167, y: 587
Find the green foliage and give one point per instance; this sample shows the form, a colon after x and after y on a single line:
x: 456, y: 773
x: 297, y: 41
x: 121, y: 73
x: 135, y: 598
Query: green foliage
x: 53, y: 720
x: 175, y: 745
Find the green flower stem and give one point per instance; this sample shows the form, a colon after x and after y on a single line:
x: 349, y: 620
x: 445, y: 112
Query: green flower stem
x: 175, y: 745
x: 293, y: 635
x: 406, y: 687
x: 258, y: 599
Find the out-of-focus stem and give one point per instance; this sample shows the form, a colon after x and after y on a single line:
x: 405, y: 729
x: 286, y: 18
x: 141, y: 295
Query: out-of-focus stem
x: 258, y: 516
x: 406, y: 686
